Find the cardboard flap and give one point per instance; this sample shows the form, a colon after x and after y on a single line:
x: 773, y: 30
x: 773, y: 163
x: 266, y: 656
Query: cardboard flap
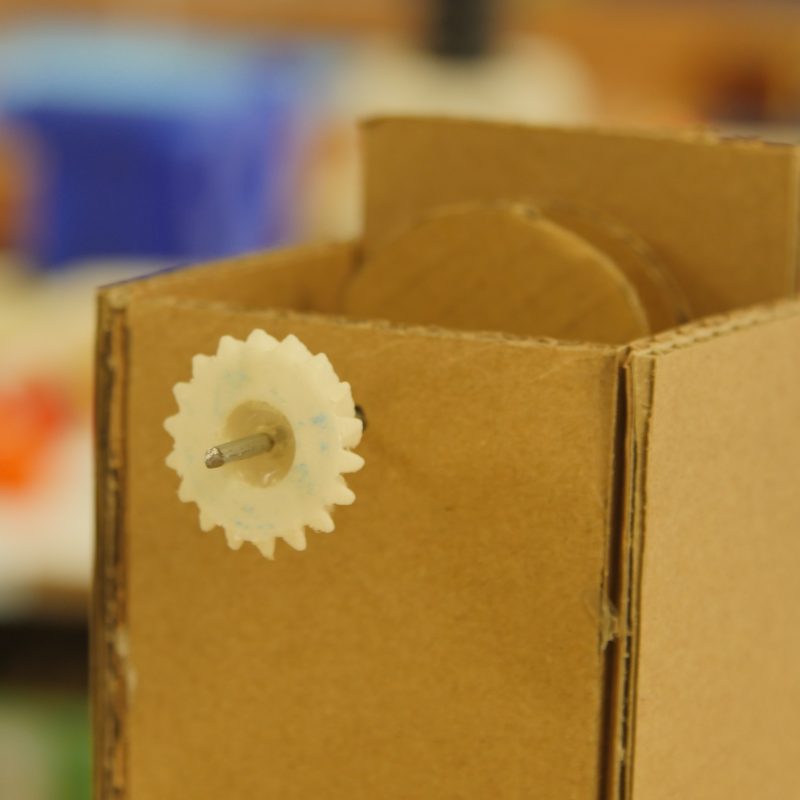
x: 720, y: 215
x: 714, y: 521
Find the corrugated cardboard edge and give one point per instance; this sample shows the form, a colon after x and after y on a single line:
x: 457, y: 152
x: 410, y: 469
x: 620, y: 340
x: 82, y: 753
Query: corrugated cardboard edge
x: 615, y: 639
x: 635, y: 402
x: 639, y: 374
x: 107, y: 647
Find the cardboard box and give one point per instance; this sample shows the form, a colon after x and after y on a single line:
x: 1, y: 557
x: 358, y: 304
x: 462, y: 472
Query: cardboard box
x: 572, y: 568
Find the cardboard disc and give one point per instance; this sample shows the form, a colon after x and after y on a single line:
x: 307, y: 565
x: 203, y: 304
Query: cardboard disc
x: 663, y: 301
x: 498, y: 267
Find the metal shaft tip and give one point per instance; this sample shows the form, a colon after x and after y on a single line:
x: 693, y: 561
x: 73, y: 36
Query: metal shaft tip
x: 214, y: 458
x: 238, y: 449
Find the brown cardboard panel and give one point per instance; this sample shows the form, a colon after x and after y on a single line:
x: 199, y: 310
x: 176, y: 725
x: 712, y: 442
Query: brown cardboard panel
x: 444, y: 641
x: 721, y: 215
x: 307, y: 278
x: 498, y: 267
x: 718, y: 685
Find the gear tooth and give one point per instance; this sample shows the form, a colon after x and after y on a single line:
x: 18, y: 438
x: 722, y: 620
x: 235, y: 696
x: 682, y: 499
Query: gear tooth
x: 206, y: 523
x: 350, y: 429
x: 295, y: 349
x: 228, y: 346
x: 321, y: 521
x: 199, y: 364
x: 323, y: 368
x: 171, y: 425
x: 348, y: 461
x: 343, y: 400
x: 295, y: 539
x: 172, y: 460
x: 266, y: 547
x: 181, y: 392
x: 234, y: 541
x: 342, y: 494
x: 261, y: 338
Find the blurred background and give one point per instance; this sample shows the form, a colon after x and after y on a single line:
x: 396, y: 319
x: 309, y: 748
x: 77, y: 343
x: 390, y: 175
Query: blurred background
x: 136, y: 135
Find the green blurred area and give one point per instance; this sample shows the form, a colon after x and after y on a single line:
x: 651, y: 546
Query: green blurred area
x: 44, y: 710
x: 44, y: 745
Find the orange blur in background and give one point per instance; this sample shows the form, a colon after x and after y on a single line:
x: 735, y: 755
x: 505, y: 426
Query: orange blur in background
x: 31, y: 415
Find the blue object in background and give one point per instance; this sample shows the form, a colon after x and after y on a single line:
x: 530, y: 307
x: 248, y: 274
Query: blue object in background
x: 150, y: 145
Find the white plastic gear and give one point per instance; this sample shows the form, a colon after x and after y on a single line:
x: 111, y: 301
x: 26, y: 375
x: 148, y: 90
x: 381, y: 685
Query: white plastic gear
x: 320, y: 410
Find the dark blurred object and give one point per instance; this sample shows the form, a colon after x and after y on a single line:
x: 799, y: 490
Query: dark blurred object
x: 462, y: 28
x: 43, y: 655
x: 149, y: 144
x: 741, y: 92
x: 666, y: 63
x: 44, y: 716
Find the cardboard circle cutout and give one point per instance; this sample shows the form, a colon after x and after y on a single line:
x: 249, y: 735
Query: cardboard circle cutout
x: 664, y: 303
x: 500, y: 267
